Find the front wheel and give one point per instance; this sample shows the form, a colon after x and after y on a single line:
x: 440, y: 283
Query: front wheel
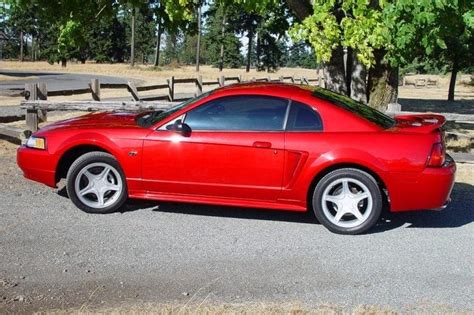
x: 347, y: 201
x: 96, y: 183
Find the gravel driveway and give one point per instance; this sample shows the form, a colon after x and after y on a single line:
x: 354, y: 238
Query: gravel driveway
x: 52, y: 255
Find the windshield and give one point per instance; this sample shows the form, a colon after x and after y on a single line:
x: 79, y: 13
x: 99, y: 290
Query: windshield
x: 150, y: 119
x: 362, y: 110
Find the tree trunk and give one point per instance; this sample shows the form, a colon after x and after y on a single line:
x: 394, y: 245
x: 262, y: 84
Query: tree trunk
x: 358, y: 80
x: 132, y: 48
x: 382, y: 83
x: 348, y: 69
x: 63, y: 62
x: 198, y: 46
x: 33, y: 48
x: 249, y: 50
x: 258, y: 52
x: 452, y: 81
x: 301, y: 8
x: 21, y: 46
x: 158, y: 43
x: 334, y: 76
x: 221, y: 57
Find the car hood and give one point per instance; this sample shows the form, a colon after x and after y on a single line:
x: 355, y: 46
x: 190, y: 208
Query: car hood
x: 97, y: 120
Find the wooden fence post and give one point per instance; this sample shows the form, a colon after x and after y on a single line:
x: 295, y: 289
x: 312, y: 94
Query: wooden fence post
x: 42, y: 94
x: 199, y: 85
x: 221, y: 80
x: 133, y: 90
x: 239, y: 78
x: 171, y: 89
x: 292, y: 79
x: 31, y: 114
x: 95, y: 89
x: 322, y: 82
x: 304, y: 80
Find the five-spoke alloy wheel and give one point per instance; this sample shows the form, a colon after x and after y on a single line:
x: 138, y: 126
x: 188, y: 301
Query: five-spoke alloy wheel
x: 347, y: 201
x: 95, y: 183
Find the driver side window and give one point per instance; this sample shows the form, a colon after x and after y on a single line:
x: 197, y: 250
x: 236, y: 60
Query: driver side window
x: 240, y: 113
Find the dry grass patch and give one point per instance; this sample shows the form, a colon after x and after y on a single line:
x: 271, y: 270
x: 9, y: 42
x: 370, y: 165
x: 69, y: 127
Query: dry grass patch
x: 231, y: 309
x: 465, y: 173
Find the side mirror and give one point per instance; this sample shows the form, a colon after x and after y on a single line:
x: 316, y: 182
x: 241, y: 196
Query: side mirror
x: 179, y: 127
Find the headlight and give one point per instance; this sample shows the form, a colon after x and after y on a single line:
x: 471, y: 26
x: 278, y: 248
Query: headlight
x: 36, y: 143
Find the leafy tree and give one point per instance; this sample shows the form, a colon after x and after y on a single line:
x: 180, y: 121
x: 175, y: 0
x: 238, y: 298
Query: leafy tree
x: 144, y: 30
x: 108, y: 40
x: 271, y: 30
x: 438, y: 33
x: 331, y: 25
x: 223, y: 46
x: 385, y: 35
x: 300, y: 55
x: 21, y: 23
x: 173, y: 45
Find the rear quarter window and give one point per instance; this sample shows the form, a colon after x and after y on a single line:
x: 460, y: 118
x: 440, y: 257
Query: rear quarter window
x: 303, y: 118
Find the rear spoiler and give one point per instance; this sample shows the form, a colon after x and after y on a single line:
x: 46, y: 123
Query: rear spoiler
x: 420, y: 123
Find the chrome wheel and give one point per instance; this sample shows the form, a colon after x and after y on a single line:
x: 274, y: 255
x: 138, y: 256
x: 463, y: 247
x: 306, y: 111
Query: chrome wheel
x: 98, y: 185
x: 347, y: 202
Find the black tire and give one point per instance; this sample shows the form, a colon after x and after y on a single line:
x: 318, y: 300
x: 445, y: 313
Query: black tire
x: 355, y: 174
x: 88, y: 159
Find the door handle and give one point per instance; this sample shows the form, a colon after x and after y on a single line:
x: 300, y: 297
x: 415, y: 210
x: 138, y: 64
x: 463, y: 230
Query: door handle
x: 262, y: 144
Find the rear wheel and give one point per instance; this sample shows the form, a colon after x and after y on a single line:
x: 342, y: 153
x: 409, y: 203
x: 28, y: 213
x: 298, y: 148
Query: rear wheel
x: 347, y: 201
x: 96, y: 183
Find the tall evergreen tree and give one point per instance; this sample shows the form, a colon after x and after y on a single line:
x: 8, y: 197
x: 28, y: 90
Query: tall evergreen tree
x: 223, y: 45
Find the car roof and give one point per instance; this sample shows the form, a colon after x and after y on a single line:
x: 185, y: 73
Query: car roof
x: 278, y: 87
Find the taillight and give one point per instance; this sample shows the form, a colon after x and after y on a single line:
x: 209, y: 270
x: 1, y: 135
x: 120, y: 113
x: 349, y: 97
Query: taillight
x: 437, y: 156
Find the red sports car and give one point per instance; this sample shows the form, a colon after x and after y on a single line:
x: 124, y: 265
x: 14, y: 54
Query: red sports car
x: 261, y: 145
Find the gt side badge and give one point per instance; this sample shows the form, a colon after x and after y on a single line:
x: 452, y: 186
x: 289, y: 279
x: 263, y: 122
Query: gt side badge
x: 132, y: 153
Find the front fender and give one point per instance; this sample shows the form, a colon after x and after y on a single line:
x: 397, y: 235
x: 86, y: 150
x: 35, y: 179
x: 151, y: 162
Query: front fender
x: 89, y: 138
x: 127, y: 151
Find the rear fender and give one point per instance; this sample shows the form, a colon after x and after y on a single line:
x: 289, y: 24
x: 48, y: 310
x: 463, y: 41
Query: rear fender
x: 349, y: 158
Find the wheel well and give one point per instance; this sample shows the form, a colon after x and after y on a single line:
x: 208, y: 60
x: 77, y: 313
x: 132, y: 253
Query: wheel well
x: 70, y: 156
x: 324, y: 172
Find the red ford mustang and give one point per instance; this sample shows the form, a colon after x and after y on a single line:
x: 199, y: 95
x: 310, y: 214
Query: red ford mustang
x: 262, y: 145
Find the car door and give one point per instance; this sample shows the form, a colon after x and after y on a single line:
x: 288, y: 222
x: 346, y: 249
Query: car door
x: 235, y: 150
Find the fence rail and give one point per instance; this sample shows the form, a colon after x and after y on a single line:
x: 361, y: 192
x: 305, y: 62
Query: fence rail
x: 12, y: 132
x: 91, y: 106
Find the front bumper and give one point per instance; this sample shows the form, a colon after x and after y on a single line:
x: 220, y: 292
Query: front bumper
x: 37, y: 165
